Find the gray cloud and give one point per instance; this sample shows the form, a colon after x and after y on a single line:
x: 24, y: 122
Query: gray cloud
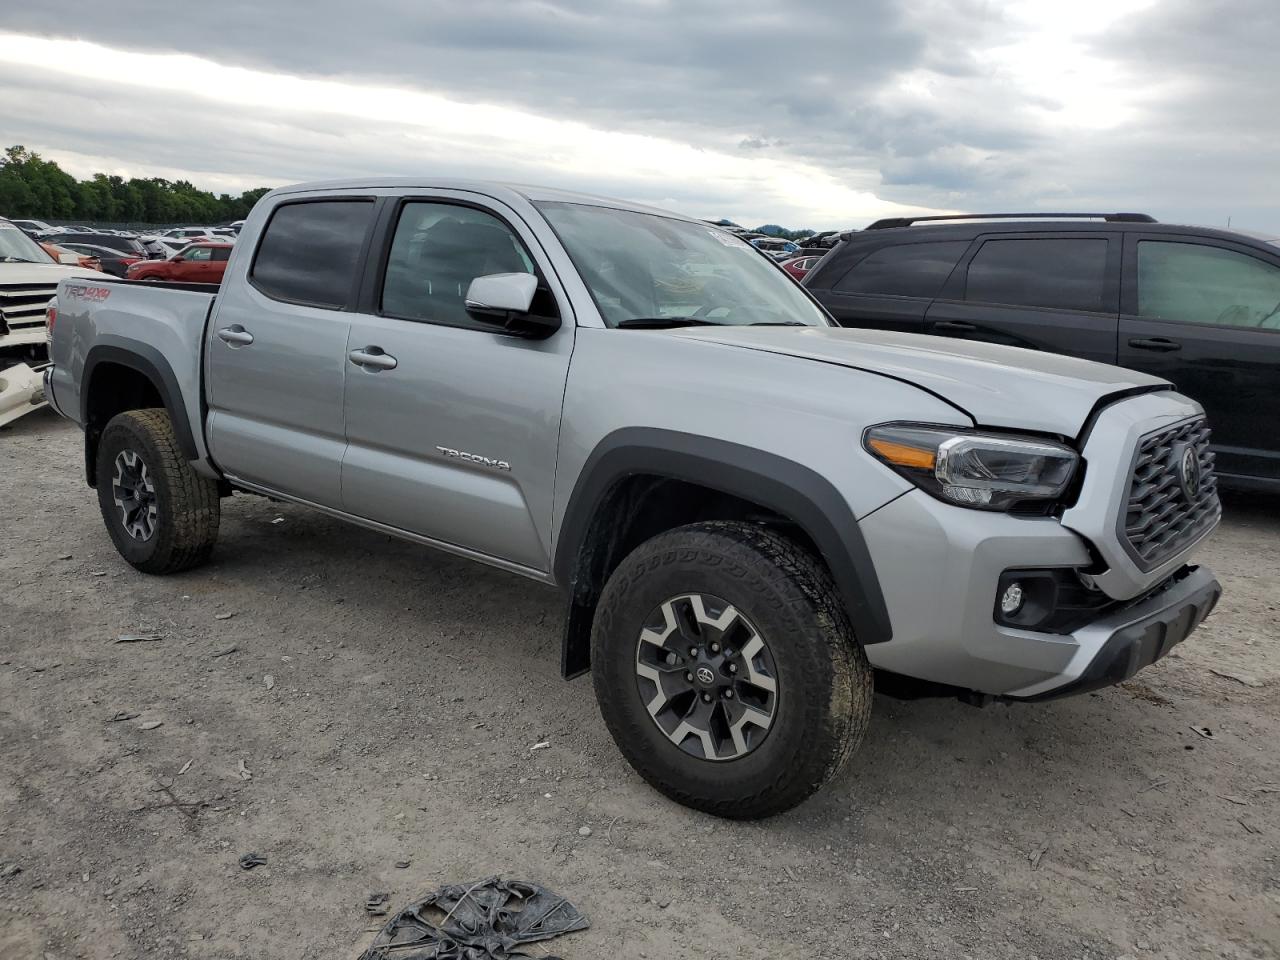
x: 895, y: 97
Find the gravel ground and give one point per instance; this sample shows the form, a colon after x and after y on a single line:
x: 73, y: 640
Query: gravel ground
x: 339, y: 702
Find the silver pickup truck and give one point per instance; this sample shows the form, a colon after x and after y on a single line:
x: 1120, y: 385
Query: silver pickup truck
x: 750, y: 512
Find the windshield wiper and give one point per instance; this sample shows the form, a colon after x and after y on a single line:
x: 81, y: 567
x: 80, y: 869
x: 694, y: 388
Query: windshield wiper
x: 664, y: 323
x: 779, y: 323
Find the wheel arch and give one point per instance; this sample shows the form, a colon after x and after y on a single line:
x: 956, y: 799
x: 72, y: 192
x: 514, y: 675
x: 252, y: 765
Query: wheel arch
x: 122, y: 375
x: 616, y: 487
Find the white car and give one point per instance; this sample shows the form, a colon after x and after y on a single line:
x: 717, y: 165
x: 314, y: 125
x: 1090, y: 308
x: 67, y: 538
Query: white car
x: 28, y: 280
x: 189, y: 233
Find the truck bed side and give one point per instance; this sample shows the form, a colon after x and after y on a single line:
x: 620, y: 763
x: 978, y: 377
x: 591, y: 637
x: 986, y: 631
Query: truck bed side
x: 111, y: 333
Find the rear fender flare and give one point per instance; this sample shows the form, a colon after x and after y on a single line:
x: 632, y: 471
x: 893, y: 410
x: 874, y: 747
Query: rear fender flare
x: 151, y: 363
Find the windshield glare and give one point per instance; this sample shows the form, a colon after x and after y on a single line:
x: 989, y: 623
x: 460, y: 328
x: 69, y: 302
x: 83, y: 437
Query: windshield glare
x: 16, y: 245
x: 640, y: 265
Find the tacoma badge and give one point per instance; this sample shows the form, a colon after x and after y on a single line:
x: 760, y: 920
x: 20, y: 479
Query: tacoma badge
x: 474, y: 458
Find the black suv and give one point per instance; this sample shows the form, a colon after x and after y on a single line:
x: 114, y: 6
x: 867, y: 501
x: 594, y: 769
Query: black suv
x: 1197, y: 306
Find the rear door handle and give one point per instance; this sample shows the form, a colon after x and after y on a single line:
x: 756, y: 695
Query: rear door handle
x: 1159, y: 344
x: 235, y: 335
x: 955, y: 326
x: 374, y: 358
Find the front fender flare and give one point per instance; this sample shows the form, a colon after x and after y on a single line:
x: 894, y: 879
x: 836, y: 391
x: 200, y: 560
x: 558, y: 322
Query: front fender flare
x: 776, y: 483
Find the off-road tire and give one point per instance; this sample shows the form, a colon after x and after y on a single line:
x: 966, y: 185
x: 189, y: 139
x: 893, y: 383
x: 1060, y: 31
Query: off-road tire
x: 824, y: 680
x: 187, y: 504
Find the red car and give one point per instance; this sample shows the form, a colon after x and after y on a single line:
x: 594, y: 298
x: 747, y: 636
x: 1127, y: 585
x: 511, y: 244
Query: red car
x: 197, y: 263
x: 799, y: 266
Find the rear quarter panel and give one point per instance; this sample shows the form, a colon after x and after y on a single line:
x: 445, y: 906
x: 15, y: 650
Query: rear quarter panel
x: 130, y: 316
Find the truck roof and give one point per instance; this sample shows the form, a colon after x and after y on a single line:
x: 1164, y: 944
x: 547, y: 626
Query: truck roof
x: 489, y: 188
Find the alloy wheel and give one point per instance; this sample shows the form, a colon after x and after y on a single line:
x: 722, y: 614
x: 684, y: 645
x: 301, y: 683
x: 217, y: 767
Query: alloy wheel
x: 706, y: 677
x: 134, y: 494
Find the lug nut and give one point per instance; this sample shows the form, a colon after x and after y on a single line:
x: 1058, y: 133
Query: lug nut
x: 715, y: 648
x: 728, y: 694
x: 706, y: 697
x: 693, y: 651
x: 671, y: 659
x: 688, y: 676
x: 733, y: 668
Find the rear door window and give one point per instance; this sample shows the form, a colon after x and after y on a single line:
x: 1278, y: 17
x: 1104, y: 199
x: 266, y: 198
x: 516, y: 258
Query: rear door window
x: 310, y: 252
x: 1063, y: 274
x: 906, y: 270
x: 221, y: 253
x: 1194, y: 283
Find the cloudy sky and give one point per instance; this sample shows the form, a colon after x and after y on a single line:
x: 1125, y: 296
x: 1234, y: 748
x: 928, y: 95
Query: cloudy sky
x: 821, y: 114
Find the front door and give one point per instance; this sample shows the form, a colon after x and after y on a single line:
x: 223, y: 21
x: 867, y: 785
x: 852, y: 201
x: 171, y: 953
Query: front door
x: 452, y: 429
x: 1205, y: 314
x: 276, y: 355
x: 1055, y: 292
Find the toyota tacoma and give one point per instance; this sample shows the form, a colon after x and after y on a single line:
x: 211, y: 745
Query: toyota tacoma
x: 751, y: 513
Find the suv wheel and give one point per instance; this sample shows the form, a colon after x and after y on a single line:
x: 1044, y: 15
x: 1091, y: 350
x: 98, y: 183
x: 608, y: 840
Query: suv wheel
x: 162, y: 516
x: 726, y: 669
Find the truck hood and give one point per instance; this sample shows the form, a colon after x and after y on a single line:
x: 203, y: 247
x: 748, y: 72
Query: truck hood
x: 41, y: 274
x: 997, y: 386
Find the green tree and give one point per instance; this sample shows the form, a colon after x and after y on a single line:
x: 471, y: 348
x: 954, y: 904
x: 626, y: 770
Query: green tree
x: 31, y: 186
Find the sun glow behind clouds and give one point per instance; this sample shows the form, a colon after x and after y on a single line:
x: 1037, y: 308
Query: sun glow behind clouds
x: 528, y: 145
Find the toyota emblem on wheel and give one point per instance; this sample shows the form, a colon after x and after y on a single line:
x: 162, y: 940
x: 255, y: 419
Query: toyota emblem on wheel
x: 1189, y: 473
x: 705, y: 676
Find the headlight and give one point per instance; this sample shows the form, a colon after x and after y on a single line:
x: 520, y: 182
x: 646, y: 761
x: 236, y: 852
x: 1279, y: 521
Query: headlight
x: 984, y: 471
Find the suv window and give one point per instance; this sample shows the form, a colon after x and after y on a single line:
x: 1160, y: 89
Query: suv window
x: 1066, y: 274
x: 310, y: 251
x: 221, y: 253
x: 1195, y: 283
x: 908, y: 270
x: 438, y: 249
x: 197, y: 254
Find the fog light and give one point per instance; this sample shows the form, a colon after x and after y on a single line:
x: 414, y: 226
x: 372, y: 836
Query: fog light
x: 1011, y: 599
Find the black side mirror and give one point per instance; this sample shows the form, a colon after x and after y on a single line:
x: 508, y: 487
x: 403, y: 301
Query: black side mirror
x: 503, y: 300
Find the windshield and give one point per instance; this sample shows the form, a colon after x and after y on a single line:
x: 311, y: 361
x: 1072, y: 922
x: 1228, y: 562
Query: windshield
x: 644, y: 266
x: 16, y: 245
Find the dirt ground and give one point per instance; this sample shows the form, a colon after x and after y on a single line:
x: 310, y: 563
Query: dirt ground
x: 383, y: 700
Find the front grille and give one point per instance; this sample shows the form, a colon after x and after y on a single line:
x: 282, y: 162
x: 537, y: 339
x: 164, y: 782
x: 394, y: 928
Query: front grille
x: 1160, y: 518
x: 22, y: 305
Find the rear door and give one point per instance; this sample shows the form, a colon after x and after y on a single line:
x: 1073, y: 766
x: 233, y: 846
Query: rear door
x: 1205, y: 313
x: 276, y: 356
x: 1045, y: 291
x: 452, y: 430
x: 888, y: 288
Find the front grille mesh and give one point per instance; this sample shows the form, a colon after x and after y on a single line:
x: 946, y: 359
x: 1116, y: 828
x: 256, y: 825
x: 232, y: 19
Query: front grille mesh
x: 22, y: 305
x: 1160, y: 519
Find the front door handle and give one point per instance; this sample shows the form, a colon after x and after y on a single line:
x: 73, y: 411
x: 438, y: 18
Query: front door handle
x: 1159, y: 344
x: 373, y: 357
x: 955, y: 326
x: 235, y: 335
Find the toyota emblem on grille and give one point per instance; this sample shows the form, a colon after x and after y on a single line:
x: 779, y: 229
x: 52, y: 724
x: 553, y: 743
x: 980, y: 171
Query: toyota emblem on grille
x: 1189, y: 473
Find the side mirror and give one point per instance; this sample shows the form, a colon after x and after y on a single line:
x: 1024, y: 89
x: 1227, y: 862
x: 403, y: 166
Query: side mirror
x: 178, y: 258
x: 67, y: 257
x: 504, y: 300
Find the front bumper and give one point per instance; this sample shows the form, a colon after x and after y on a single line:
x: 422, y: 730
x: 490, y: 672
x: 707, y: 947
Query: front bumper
x: 939, y: 567
x: 20, y: 392
x: 1114, y: 648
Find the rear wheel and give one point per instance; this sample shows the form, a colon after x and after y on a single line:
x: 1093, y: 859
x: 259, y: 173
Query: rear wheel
x: 161, y: 515
x: 726, y: 669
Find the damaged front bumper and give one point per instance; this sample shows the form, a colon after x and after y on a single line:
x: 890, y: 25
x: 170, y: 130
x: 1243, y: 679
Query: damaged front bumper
x: 21, y: 391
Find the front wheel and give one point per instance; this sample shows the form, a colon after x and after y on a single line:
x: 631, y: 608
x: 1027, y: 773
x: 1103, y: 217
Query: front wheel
x: 162, y: 516
x: 726, y: 669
